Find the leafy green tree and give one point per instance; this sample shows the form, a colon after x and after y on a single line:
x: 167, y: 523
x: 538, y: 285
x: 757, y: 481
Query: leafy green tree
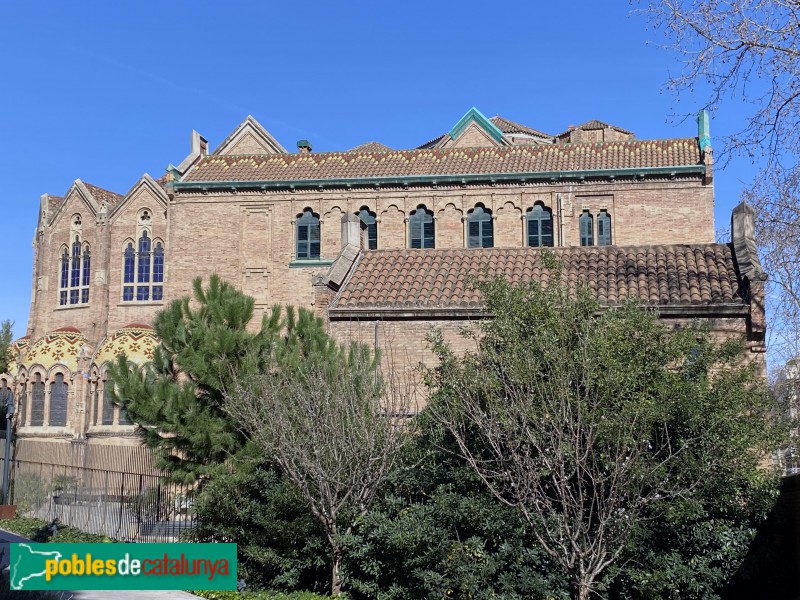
x: 6, y: 337
x: 438, y: 533
x: 281, y: 546
x: 591, y: 421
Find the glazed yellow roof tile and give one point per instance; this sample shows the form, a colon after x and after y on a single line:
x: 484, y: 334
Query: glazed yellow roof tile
x: 136, y: 341
x: 18, y: 348
x: 631, y: 154
x: 61, y: 346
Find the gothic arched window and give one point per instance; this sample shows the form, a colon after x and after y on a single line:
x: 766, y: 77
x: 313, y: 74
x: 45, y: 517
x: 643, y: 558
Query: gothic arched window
x: 480, y: 228
x: 75, y: 274
x: 308, y: 236
x: 143, y: 269
x: 106, y: 411
x: 58, y: 401
x: 539, y: 222
x: 37, y: 400
x: 421, y: 228
x: 370, y: 220
x: 23, y: 403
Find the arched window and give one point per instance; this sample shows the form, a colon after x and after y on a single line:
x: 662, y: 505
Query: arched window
x: 144, y: 267
x: 422, y: 233
x: 129, y: 268
x: 480, y: 228
x: 308, y: 245
x: 106, y: 411
x: 369, y: 219
x: 23, y: 403
x: 158, y: 272
x: 58, y: 401
x: 587, y: 228
x: 87, y: 262
x: 603, y: 228
x: 64, y: 277
x: 75, y: 274
x: 37, y: 400
x: 539, y: 222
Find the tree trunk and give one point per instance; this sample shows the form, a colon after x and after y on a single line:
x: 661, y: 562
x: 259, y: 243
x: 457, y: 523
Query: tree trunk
x: 336, y: 584
x: 581, y: 591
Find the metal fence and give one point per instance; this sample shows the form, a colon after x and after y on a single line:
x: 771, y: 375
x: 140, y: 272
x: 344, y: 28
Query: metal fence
x: 119, y: 505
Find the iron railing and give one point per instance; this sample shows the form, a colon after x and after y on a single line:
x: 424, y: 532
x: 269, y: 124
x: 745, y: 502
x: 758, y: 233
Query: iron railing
x: 119, y: 505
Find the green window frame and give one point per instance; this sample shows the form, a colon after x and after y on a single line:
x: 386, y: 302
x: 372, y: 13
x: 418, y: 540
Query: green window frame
x: 308, y: 235
x: 480, y: 228
x: 539, y: 224
x: 421, y: 228
x: 586, y: 223
x: 603, y: 228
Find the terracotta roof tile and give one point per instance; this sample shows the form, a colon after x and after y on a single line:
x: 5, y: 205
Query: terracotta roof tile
x: 54, y: 202
x: 674, y: 275
x: 507, y: 126
x: 371, y: 147
x: 103, y: 195
x: 457, y: 161
x: 594, y: 124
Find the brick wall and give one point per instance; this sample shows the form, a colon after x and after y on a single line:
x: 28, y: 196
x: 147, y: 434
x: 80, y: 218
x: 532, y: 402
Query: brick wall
x: 249, y: 238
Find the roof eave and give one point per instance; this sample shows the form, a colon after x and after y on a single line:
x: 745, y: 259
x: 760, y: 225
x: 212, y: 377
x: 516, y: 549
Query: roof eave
x: 461, y: 178
x: 724, y: 309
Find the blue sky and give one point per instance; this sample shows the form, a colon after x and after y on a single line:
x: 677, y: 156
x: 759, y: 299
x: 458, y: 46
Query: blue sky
x: 106, y: 91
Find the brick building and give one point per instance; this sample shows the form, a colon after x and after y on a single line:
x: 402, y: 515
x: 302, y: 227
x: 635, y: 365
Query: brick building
x: 379, y: 242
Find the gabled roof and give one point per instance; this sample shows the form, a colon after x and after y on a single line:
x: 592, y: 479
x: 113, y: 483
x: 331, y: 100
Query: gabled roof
x: 249, y: 127
x: 473, y: 115
x: 594, y: 124
x: 660, y: 276
x: 158, y: 191
x: 507, y: 126
x: 371, y: 147
x: 550, y: 158
x: 103, y: 195
x: 93, y: 195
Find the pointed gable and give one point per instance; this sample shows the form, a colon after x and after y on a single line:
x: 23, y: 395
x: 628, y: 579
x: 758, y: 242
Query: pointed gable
x: 249, y: 138
x: 473, y: 130
x: 93, y: 197
x: 147, y: 188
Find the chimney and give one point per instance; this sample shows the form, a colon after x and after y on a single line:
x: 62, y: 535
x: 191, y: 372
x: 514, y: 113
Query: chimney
x: 304, y: 146
x: 744, y: 243
x: 199, y: 144
x: 352, y: 227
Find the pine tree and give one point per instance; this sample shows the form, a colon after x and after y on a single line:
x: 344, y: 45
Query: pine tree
x: 178, y: 399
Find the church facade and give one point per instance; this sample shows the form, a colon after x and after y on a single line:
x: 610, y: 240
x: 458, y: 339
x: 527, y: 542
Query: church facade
x: 379, y: 242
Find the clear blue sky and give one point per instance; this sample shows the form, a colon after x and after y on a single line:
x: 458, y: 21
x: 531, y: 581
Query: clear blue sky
x: 106, y: 91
